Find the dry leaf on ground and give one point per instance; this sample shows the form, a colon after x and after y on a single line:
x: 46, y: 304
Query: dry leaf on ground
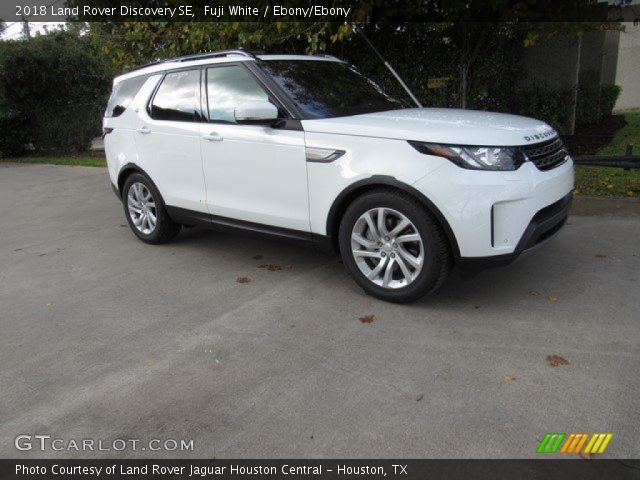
x: 271, y: 267
x: 243, y: 279
x: 367, y: 318
x: 510, y: 378
x: 556, y: 360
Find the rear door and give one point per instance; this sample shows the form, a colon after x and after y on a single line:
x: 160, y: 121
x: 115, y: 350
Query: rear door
x: 254, y: 173
x: 168, y: 139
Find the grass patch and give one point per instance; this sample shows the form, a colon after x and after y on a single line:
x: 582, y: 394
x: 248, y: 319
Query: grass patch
x: 606, y: 181
x: 85, y: 161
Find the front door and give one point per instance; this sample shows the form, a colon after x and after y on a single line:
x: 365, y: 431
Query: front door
x: 253, y: 173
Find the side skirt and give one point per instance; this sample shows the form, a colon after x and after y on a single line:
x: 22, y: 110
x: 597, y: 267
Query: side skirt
x: 225, y: 224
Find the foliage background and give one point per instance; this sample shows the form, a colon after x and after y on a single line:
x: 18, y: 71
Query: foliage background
x: 53, y: 88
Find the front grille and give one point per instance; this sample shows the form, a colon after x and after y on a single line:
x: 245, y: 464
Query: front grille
x: 546, y: 155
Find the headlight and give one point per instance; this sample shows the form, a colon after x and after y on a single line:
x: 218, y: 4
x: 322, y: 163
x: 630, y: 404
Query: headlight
x: 475, y: 158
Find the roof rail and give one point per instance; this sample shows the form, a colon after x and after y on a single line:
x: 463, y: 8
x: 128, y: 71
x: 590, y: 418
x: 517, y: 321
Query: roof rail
x: 200, y: 56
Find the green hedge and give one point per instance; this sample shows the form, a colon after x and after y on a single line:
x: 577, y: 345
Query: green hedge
x: 53, y: 89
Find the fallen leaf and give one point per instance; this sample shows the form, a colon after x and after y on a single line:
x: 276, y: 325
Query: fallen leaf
x: 292, y: 326
x: 419, y: 398
x: 50, y: 304
x: 600, y: 255
x: 552, y: 298
x: 510, y: 378
x: 243, y: 279
x: 556, y: 360
x: 534, y: 293
x: 257, y: 257
x: 271, y: 267
x: 367, y: 318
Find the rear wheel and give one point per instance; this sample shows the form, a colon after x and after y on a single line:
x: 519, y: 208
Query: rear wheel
x: 146, y: 212
x: 393, y: 247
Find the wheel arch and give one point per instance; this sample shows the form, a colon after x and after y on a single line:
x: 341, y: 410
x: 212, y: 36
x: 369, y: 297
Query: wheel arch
x: 124, y: 173
x: 344, y: 199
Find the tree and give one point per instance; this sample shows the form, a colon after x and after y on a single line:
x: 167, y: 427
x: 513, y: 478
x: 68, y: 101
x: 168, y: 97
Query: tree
x: 129, y: 44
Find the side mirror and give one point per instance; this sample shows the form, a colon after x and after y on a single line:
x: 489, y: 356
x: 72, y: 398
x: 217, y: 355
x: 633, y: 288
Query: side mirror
x: 256, y: 111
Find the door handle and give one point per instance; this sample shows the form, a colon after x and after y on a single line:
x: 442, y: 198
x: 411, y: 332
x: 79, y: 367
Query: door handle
x: 143, y: 129
x: 212, y: 137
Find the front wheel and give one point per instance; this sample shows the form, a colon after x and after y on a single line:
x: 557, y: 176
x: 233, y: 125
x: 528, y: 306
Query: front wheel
x: 393, y: 248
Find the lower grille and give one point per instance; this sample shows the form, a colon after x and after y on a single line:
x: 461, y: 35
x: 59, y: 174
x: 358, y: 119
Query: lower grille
x: 546, y: 155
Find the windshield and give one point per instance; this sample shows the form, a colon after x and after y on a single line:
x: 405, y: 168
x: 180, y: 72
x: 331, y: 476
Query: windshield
x: 324, y: 89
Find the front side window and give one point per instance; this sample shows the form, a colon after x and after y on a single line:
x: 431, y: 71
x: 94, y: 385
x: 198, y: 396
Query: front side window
x: 229, y: 87
x: 178, y: 97
x: 322, y: 89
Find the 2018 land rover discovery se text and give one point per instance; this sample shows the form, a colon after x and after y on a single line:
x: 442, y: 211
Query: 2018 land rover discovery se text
x: 306, y: 147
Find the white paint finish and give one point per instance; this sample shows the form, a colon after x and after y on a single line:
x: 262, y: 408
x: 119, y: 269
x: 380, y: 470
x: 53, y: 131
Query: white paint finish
x: 364, y: 157
x: 256, y: 110
x: 257, y: 174
x: 260, y: 174
x: 465, y: 198
x: 438, y: 125
x: 169, y: 152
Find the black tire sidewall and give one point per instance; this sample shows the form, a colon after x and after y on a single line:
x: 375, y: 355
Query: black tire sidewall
x: 435, y: 259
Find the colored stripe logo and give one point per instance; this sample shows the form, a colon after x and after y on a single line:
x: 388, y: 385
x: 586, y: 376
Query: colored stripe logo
x: 574, y: 443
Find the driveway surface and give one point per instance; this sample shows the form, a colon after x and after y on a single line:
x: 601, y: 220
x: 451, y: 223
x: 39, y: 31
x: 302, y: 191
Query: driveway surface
x: 104, y: 337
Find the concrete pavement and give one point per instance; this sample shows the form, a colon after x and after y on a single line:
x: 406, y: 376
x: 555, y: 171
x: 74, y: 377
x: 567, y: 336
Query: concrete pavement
x: 104, y: 337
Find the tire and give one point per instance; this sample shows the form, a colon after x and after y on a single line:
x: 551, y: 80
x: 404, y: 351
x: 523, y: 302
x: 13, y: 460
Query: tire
x: 420, y: 245
x: 139, y: 193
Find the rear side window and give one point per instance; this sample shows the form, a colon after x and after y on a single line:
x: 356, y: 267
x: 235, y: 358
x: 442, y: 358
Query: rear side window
x: 123, y: 93
x: 178, y: 97
x: 228, y: 88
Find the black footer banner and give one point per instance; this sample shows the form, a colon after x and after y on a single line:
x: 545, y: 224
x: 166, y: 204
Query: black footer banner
x: 548, y: 469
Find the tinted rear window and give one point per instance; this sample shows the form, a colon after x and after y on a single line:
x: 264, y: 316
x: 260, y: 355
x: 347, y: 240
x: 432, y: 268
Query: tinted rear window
x: 324, y: 89
x: 122, y: 94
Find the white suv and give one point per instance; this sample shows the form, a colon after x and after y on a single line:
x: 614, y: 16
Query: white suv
x: 305, y: 147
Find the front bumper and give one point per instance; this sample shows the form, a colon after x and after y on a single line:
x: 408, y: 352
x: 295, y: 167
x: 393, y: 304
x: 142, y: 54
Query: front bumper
x: 499, y: 214
x: 544, y: 225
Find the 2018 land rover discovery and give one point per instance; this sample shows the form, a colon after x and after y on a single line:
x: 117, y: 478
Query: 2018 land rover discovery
x: 308, y: 148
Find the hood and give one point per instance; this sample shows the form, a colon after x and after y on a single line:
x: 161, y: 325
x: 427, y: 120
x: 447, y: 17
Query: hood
x: 439, y: 125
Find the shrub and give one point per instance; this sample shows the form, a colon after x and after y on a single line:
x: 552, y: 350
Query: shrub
x: 552, y: 105
x: 588, y: 103
x: 14, y: 132
x: 608, y: 96
x: 55, y: 87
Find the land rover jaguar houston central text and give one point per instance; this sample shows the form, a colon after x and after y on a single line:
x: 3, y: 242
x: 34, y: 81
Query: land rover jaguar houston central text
x: 305, y: 147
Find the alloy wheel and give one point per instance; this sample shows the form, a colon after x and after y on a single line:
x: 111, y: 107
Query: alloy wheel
x: 142, y: 208
x: 387, y: 248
